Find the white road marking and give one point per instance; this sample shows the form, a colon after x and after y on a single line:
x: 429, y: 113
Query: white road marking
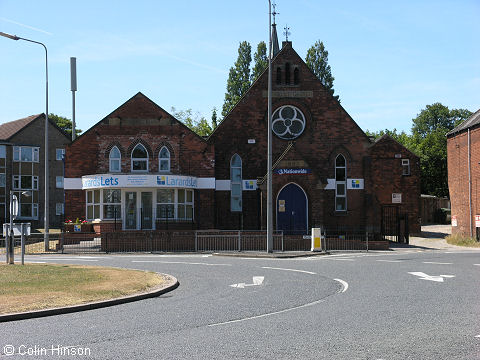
x: 68, y: 259
x: 476, y: 264
x: 257, y: 281
x: 391, y: 261
x: 436, y: 263
x: 477, y: 336
x: 35, y: 262
x: 342, y: 259
x: 344, y: 284
x: 178, y: 262
x: 267, y: 314
x: 435, y: 278
x: 295, y: 270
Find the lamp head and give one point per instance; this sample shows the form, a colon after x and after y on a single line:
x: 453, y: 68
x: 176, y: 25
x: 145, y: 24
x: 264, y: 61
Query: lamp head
x: 13, y: 37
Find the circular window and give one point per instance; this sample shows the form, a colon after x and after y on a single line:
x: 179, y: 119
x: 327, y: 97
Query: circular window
x: 288, y: 122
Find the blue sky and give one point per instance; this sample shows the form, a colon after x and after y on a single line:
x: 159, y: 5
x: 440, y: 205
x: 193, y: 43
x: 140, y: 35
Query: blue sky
x: 389, y: 59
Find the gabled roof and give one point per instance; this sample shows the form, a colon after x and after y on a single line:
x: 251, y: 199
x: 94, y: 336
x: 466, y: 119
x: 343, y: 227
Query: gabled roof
x: 9, y: 129
x: 386, y: 137
x: 139, y: 107
x: 472, y: 121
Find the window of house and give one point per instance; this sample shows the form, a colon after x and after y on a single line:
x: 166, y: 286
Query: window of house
x: 28, y: 210
x: 287, y: 73
x: 59, y: 182
x: 25, y: 182
x: 165, y: 204
x: 405, y: 167
x: 185, y: 204
x: 296, y: 76
x: 60, y: 153
x: 25, y: 153
x: 3, y: 152
x: 115, y: 160
x: 340, y: 183
x: 93, y: 204
x: 236, y: 183
x: 279, y: 75
x: 2, y: 180
x: 164, y: 159
x: 59, y: 209
x: 112, y: 203
x: 139, y: 158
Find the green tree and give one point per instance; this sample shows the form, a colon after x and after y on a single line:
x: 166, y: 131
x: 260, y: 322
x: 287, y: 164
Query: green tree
x: 260, y: 61
x: 214, y: 118
x: 317, y: 61
x: 64, y: 124
x: 239, y: 77
x: 429, y: 139
x: 402, y: 137
x: 194, y: 121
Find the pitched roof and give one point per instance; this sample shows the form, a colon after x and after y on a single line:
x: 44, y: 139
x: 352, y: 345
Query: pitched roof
x: 473, y: 120
x: 7, y: 130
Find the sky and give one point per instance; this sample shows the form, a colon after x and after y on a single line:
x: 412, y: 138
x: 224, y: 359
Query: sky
x: 389, y: 59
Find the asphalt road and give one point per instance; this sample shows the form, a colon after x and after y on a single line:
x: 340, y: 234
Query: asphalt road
x: 345, y: 306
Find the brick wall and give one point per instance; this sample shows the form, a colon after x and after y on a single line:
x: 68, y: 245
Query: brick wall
x: 457, y: 161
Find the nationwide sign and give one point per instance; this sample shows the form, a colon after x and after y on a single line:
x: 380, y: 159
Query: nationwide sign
x: 124, y: 181
x: 292, y: 171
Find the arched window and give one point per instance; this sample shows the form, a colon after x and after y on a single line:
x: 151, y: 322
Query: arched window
x: 279, y: 75
x: 164, y: 159
x: 115, y: 160
x: 287, y: 74
x: 296, y: 76
x: 139, y: 158
x: 236, y: 183
x: 340, y: 183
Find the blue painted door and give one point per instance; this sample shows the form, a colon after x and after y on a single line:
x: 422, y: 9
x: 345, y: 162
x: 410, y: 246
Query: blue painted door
x: 292, y: 210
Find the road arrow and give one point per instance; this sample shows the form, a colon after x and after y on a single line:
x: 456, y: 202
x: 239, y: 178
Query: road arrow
x: 435, y: 278
x: 257, y: 280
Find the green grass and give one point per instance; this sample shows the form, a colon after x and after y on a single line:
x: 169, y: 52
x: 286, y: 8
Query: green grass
x: 461, y: 240
x: 38, y: 286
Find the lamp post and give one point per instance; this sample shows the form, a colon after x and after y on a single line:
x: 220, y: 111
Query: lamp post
x: 269, y: 154
x: 10, y: 237
x: 46, y: 203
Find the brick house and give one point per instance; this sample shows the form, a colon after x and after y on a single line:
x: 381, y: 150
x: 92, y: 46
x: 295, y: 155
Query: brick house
x: 142, y: 169
x: 22, y: 168
x: 326, y: 170
x: 463, y: 161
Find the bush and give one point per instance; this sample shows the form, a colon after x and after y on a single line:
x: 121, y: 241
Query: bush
x: 461, y: 240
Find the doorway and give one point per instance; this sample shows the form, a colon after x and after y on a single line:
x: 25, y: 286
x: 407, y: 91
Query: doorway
x: 292, y: 212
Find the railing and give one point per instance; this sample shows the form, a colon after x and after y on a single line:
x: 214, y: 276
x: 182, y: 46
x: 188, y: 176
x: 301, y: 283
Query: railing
x: 236, y: 240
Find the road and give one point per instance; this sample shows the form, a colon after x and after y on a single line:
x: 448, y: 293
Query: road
x: 405, y: 304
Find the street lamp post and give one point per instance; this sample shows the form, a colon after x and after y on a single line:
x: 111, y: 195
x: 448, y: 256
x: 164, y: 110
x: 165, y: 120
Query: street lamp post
x: 46, y: 204
x: 269, y: 130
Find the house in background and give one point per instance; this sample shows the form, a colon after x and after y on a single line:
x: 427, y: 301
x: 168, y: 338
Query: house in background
x: 22, y: 168
x: 463, y: 160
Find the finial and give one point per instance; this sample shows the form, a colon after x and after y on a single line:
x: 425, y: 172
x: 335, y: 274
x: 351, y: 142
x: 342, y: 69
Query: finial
x: 286, y: 32
x: 274, y: 12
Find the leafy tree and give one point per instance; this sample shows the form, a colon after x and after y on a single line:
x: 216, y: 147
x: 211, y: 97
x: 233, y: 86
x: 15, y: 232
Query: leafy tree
x: 64, y: 124
x: 239, y: 77
x: 214, y: 118
x: 317, y: 61
x: 194, y: 121
x: 260, y: 61
x: 402, y: 137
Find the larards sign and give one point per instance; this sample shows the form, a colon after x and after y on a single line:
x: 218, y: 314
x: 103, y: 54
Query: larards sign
x: 125, y: 181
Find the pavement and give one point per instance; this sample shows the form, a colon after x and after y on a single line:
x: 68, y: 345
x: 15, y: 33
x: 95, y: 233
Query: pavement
x: 431, y: 237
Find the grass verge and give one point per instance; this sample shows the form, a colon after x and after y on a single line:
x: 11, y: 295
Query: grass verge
x: 39, y: 286
x: 460, y: 240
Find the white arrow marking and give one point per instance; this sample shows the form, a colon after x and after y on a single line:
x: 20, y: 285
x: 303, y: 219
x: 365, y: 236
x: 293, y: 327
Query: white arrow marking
x: 257, y: 280
x: 435, y: 278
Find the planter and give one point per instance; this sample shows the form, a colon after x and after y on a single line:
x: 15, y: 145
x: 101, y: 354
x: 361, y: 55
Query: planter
x: 84, y: 228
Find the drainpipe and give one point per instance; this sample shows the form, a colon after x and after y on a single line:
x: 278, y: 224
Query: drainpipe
x: 469, y: 185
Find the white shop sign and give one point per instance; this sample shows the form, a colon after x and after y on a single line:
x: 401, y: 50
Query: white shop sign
x: 124, y: 181
x: 396, y: 198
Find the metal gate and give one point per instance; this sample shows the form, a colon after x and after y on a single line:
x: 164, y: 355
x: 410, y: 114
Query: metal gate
x: 394, y: 225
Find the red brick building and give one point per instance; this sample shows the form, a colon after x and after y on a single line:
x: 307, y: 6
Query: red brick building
x: 326, y: 170
x: 463, y: 160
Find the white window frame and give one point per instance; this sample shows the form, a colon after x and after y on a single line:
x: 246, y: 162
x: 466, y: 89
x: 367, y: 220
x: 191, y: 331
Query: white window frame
x: 59, y: 182
x: 343, y: 183
x: 139, y: 159
x: 235, y: 200
x: 17, y: 153
x: 164, y: 159
x: 112, y: 159
x: 60, y: 152
x: 93, y: 204
x: 17, y: 182
x: 59, y: 209
x: 176, y: 205
x: 110, y: 203
x: 34, y: 212
x: 405, y: 167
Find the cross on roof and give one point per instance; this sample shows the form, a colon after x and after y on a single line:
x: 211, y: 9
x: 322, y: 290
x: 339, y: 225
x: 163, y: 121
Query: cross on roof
x: 274, y: 12
x: 286, y: 32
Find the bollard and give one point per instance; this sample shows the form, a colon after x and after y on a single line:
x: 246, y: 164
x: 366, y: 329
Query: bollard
x: 22, y: 242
